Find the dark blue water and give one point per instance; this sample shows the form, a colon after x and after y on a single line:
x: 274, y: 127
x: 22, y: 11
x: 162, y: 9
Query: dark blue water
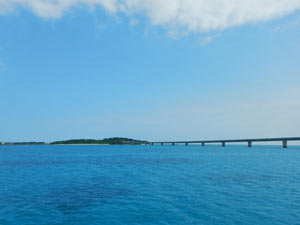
x: 68, y: 185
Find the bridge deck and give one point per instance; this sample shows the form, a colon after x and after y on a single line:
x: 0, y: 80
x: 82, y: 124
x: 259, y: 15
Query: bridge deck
x: 284, y: 140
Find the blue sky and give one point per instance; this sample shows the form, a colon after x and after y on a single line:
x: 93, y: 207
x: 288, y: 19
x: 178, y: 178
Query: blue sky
x: 77, y: 71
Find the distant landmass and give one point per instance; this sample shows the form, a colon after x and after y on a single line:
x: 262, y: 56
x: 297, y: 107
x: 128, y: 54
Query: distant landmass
x: 23, y: 143
x: 108, y: 141
x: 105, y: 141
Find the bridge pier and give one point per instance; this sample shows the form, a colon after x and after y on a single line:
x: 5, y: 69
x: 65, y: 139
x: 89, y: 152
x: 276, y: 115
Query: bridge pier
x: 284, y: 143
x: 223, y: 143
x: 161, y: 144
x: 173, y: 143
x: 203, y: 144
x: 186, y: 143
x: 249, y: 144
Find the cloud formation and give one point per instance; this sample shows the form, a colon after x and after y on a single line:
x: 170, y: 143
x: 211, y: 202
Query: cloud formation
x: 190, y: 15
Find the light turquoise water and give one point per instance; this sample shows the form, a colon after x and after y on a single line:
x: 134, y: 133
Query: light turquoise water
x: 68, y: 185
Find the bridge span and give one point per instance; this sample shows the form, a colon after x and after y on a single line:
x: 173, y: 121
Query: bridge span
x: 283, y: 140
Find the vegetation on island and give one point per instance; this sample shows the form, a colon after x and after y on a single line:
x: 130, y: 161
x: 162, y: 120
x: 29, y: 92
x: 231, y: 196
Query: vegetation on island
x: 106, y: 141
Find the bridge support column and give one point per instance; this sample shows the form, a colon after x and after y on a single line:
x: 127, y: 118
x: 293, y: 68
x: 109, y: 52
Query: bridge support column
x: 203, y: 144
x: 249, y: 144
x: 161, y: 144
x: 186, y: 144
x: 173, y: 143
x: 223, y: 143
x: 284, y: 143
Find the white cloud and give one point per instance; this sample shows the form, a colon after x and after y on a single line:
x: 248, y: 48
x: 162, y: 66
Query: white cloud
x: 295, y: 24
x: 207, y: 39
x: 190, y: 15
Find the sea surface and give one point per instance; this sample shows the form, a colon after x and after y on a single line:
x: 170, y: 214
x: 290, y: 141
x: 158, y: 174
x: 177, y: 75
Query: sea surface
x: 111, y: 185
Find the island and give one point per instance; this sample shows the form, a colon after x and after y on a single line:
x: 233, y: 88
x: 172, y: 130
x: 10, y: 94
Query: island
x: 105, y: 141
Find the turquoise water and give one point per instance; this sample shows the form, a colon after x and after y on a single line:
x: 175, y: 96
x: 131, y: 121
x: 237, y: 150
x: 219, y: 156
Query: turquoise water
x: 68, y: 185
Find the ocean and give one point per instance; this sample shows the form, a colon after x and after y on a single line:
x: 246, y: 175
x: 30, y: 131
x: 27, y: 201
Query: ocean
x: 112, y: 185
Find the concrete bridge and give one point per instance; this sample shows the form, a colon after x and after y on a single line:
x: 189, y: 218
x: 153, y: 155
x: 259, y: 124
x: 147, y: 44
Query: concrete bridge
x: 283, y: 140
